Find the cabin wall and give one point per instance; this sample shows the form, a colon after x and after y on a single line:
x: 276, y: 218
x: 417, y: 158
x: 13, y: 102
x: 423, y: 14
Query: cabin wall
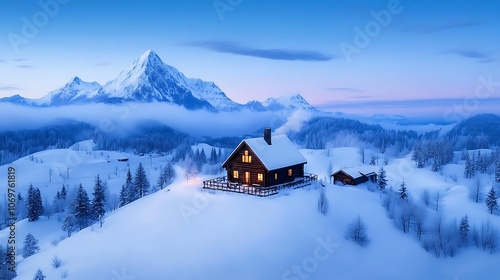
x: 343, y: 178
x: 255, y: 167
x: 297, y: 171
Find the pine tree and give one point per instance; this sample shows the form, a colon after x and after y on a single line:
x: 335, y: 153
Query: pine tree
x: 99, y: 201
x: 38, y: 202
x: 30, y: 246
x: 372, y: 160
x: 39, y: 275
x: 5, y: 260
x: 382, y: 179
x: 464, y: 231
x: 81, y: 209
x: 473, y: 164
x: 63, y: 192
x: 123, y: 196
x: 166, y: 176
x: 213, y: 156
x: 129, y: 186
x: 468, y: 173
x: 34, y: 204
x: 69, y: 224
x: 497, y: 172
x: 141, y: 182
x: 491, y: 200
x: 403, y: 191
x: 479, y: 162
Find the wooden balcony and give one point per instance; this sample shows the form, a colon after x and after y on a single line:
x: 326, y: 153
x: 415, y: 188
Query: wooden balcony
x: 222, y: 184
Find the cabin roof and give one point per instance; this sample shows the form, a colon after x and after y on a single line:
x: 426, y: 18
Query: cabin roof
x: 282, y: 153
x: 357, y: 171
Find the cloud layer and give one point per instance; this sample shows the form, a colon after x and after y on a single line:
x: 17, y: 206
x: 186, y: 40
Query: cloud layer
x: 275, y: 54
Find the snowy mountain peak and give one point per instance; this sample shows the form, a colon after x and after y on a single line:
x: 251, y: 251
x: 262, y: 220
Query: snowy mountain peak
x: 149, y: 79
x: 75, y: 91
x: 148, y: 59
x: 288, y: 102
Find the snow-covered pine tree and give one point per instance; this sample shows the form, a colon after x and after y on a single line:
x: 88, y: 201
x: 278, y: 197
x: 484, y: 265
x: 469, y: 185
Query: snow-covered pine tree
x: 64, y: 193
x: 497, y: 172
x: 30, y: 246
x: 20, y: 208
x: 403, y: 191
x: 168, y: 174
x: 123, y: 196
x: 468, y: 172
x: 473, y: 164
x: 34, y: 204
x: 69, y: 224
x: 81, y: 209
x: 479, y: 162
x: 382, y: 179
x: 99, y: 201
x: 464, y: 231
x: 141, y: 182
x: 213, y: 156
x: 7, y: 273
x: 129, y: 186
x: 372, y: 161
x: 39, y: 275
x: 491, y: 200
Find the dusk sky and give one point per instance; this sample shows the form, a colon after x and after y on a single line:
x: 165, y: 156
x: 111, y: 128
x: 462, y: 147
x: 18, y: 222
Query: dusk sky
x: 411, y: 54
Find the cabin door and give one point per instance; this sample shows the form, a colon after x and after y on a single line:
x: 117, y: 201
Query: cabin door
x: 247, y: 178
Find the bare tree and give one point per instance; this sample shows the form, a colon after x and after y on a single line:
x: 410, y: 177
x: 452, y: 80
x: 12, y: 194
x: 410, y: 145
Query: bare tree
x: 323, y: 204
x: 476, y: 192
x: 436, y: 199
x: 357, y: 232
x: 426, y: 197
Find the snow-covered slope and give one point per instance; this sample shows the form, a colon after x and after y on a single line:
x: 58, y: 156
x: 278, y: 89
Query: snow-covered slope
x: 185, y: 233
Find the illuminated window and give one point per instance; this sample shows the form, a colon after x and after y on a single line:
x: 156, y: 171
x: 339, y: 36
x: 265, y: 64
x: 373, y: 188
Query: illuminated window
x: 236, y: 175
x: 275, y: 176
x: 260, y: 177
x: 290, y: 172
x: 246, y: 158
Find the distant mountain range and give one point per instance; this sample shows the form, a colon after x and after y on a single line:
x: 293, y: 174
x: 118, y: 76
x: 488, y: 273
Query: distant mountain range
x: 149, y: 79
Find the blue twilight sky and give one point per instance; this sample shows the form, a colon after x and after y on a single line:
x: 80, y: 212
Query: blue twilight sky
x: 371, y: 56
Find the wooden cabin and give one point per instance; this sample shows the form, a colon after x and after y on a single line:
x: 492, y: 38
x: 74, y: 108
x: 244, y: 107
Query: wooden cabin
x: 265, y: 161
x: 354, y: 175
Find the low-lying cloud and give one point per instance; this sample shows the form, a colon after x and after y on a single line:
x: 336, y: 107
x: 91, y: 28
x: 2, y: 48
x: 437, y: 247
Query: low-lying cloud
x: 120, y: 118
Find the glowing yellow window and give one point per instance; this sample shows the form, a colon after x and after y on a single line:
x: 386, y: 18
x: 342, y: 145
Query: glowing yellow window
x: 260, y: 177
x: 236, y: 175
x: 275, y: 176
x: 290, y: 172
x: 246, y: 158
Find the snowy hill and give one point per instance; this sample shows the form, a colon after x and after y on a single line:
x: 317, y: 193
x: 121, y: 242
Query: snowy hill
x: 148, y: 79
x: 185, y: 233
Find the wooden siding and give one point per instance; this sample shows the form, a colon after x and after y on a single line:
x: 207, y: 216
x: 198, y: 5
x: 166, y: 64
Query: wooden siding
x: 256, y: 167
x: 297, y: 171
x: 348, y: 180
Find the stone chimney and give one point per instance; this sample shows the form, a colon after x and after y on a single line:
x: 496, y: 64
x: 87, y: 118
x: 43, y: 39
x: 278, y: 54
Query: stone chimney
x: 267, y: 135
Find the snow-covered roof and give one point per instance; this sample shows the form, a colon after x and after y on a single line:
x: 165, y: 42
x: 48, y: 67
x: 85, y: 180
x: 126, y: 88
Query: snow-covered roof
x: 358, y: 171
x: 281, y: 153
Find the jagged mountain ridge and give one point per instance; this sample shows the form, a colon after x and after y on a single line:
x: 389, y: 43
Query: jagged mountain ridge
x: 149, y: 79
